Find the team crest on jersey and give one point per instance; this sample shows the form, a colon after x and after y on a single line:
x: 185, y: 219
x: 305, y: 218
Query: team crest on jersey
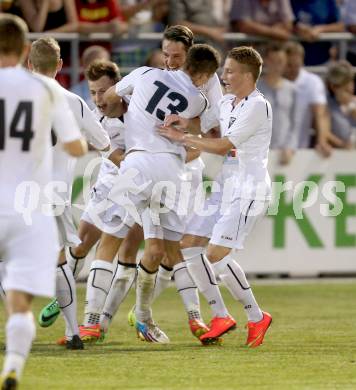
x: 231, y: 121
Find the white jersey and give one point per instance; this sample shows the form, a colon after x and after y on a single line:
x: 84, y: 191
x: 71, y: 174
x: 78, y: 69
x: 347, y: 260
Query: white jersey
x: 116, y: 131
x: 212, y: 90
x: 63, y: 163
x: 30, y: 105
x: 248, y: 126
x: 155, y: 94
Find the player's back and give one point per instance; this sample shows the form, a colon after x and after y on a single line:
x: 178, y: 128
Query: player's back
x: 26, y: 112
x: 155, y: 94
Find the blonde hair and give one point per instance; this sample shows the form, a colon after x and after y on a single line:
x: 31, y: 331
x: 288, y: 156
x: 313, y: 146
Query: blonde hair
x: 249, y: 57
x: 294, y: 48
x: 339, y: 73
x: 45, y: 54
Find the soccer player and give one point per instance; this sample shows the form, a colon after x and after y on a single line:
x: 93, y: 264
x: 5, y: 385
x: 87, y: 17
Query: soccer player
x: 45, y: 59
x: 156, y: 93
x: 101, y: 75
x: 245, y: 118
x: 29, y: 106
x: 176, y: 42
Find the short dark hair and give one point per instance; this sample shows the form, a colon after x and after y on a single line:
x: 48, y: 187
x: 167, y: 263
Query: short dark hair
x: 45, y: 54
x: 12, y: 34
x: 202, y: 58
x: 249, y: 57
x: 179, y: 33
x: 100, y: 68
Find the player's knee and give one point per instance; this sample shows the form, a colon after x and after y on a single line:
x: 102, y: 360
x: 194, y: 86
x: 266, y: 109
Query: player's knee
x: 190, y: 241
x: 213, y: 254
x: 156, y: 253
x: 80, y: 251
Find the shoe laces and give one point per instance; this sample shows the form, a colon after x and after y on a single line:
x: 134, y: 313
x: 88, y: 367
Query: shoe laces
x: 53, y: 305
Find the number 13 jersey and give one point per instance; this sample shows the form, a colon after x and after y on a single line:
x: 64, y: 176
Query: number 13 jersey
x: 155, y: 94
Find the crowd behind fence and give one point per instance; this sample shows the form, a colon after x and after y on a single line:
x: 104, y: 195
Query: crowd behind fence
x: 153, y: 40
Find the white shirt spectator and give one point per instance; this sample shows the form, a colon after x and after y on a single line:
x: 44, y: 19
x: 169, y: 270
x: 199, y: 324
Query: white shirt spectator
x: 310, y: 90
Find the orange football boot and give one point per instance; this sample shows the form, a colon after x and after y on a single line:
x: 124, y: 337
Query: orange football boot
x: 257, y: 330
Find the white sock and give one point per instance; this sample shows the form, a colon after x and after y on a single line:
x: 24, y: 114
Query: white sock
x: 164, y: 276
x: 98, y: 286
x: 145, y: 284
x: 20, y: 332
x: 187, y: 290
x: 76, y: 264
x: 67, y: 298
x: 123, y: 280
x: 234, y: 278
x: 203, y: 275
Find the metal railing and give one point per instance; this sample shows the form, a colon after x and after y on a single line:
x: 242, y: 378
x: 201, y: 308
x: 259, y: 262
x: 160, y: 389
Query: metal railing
x: 74, y: 39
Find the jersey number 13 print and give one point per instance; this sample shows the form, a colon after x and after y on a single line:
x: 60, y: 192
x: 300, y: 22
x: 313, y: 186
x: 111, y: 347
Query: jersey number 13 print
x: 182, y: 102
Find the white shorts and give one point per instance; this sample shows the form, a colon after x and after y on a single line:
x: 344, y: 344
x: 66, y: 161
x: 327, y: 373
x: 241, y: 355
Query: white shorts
x: 234, y: 226
x: 151, y: 181
x: 192, y: 180
x: 30, y: 254
x: 66, y: 229
x: 98, y: 211
x: 201, y: 222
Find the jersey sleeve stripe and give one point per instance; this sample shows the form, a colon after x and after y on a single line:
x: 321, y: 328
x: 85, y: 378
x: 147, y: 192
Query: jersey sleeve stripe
x: 81, y: 107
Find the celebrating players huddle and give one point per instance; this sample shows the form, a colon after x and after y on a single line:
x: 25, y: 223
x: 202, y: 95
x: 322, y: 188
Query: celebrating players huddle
x: 150, y: 128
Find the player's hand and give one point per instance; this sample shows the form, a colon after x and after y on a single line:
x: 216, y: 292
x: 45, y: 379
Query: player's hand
x: 176, y: 120
x: 171, y: 133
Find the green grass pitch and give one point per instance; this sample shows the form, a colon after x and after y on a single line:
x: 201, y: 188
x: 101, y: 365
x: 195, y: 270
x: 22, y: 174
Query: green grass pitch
x: 311, y: 345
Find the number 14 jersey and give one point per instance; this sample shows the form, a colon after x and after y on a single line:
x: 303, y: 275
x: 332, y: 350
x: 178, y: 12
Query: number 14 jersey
x: 30, y: 105
x: 155, y: 94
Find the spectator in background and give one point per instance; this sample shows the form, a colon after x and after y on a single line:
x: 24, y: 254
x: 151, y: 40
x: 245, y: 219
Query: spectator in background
x: 101, y: 16
x: 49, y: 15
x: 146, y: 15
x: 11, y: 7
x: 198, y: 16
x: 311, y: 104
x: 314, y: 17
x: 90, y: 54
x: 268, y: 18
x: 281, y: 93
x: 155, y: 59
x: 350, y: 24
x: 341, y: 100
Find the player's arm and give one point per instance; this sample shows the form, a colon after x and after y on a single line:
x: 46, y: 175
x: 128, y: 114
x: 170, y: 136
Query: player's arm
x: 218, y: 146
x: 114, y: 96
x: 192, y: 154
x: 115, y: 104
x: 117, y: 156
x: 95, y: 134
x: 64, y: 122
x: 76, y: 148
